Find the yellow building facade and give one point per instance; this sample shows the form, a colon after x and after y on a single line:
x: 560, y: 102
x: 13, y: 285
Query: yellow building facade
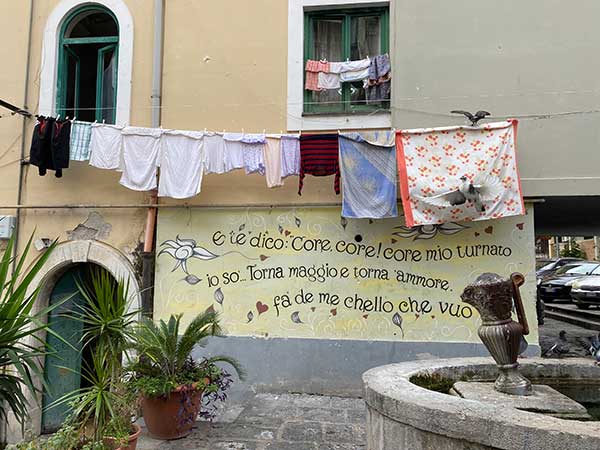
x: 238, y: 66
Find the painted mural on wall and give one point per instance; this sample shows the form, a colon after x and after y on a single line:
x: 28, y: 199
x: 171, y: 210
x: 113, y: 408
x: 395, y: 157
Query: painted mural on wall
x: 308, y: 273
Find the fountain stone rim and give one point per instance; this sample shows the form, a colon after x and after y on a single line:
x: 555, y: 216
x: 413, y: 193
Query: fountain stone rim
x: 389, y: 391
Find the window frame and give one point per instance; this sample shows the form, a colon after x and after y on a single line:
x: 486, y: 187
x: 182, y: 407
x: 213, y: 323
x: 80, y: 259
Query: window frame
x: 346, y: 14
x: 63, y: 53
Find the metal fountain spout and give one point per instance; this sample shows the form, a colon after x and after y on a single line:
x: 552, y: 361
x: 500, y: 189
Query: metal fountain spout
x: 492, y: 296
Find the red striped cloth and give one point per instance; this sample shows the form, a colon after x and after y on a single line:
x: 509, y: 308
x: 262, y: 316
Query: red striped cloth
x: 319, y: 157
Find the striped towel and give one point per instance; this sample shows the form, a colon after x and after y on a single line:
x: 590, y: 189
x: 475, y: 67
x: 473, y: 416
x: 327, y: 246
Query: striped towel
x: 368, y: 168
x: 319, y: 157
x: 79, y: 144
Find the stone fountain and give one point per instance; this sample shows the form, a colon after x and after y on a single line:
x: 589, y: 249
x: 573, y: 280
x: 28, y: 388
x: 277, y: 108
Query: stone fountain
x: 480, y: 404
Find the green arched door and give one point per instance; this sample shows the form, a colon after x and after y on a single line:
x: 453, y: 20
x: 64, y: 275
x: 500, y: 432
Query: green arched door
x: 62, y: 368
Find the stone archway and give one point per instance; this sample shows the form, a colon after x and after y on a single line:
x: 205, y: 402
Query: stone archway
x: 64, y: 256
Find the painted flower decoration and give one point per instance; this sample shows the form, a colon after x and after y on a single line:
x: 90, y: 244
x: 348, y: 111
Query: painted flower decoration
x: 183, y: 249
x: 428, y: 231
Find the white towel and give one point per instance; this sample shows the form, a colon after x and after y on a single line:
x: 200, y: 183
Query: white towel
x: 181, y: 163
x: 140, y: 156
x: 106, y: 146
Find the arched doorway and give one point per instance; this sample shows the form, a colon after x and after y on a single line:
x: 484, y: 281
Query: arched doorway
x: 69, y: 357
x: 64, y: 257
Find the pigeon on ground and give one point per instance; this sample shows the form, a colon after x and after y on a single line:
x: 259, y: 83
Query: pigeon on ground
x: 592, y: 344
x: 481, y: 189
x: 474, y: 118
x: 560, y: 347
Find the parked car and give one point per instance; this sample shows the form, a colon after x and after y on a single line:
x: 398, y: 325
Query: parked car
x: 547, y: 267
x: 558, y: 285
x: 585, y: 291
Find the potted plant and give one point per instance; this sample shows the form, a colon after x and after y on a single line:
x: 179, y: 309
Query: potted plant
x: 169, y: 381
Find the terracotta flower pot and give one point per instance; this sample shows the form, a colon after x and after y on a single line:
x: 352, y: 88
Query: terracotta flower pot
x: 173, y: 416
x: 131, y: 441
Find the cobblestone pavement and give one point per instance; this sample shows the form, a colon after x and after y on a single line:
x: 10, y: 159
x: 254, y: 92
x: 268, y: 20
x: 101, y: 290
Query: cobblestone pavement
x: 278, y: 422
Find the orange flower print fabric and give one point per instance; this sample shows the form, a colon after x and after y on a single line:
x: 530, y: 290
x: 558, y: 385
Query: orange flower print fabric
x: 455, y: 174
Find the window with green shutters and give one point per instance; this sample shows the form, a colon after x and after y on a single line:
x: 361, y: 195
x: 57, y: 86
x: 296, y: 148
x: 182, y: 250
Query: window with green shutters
x: 344, y: 35
x: 87, y: 69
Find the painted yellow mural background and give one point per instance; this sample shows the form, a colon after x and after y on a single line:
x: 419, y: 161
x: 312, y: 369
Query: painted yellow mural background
x: 276, y: 272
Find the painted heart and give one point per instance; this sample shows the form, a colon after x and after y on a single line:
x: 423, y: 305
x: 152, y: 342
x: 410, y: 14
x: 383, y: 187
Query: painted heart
x: 520, y: 226
x: 489, y: 230
x: 417, y: 316
x: 263, y: 257
x: 365, y: 316
x: 333, y: 312
x: 477, y: 234
x: 261, y: 307
x: 433, y: 317
x: 312, y: 308
x: 287, y: 232
x: 394, y: 241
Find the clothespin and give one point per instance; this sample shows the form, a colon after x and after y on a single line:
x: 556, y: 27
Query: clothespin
x: 58, y: 117
x: 264, y: 131
x: 67, y: 118
x: 74, y: 118
x: 95, y: 121
x: 103, y: 121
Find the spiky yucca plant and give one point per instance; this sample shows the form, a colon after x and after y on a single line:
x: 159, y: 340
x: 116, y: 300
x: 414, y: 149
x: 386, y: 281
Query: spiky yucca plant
x: 20, y: 348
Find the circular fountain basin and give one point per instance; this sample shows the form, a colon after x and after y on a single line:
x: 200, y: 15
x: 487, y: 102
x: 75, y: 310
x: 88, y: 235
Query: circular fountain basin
x: 405, y: 416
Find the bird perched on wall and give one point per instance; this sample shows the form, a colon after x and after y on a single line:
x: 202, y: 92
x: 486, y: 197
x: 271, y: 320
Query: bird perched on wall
x: 481, y: 189
x: 560, y: 348
x: 474, y: 118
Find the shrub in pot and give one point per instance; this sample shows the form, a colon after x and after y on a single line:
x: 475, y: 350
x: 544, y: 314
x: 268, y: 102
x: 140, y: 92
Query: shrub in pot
x: 171, y: 384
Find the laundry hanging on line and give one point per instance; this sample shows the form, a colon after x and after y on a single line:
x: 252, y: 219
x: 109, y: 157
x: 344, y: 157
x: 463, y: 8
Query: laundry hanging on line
x: 50, y: 145
x: 446, y: 174
x: 368, y: 172
x: 373, y: 72
x: 453, y: 174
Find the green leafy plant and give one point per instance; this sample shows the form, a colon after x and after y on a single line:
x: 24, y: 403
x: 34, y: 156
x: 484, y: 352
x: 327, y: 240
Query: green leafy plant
x: 19, y: 329
x: 573, y: 250
x: 165, y: 361
x: 107, y: 319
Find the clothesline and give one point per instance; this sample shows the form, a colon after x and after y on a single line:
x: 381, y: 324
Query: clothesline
x: 365, y: 164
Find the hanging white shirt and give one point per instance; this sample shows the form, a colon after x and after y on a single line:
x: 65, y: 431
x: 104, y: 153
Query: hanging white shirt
x: 214, y: 149
x: 328, y: 80
x: 140, y: 155
x: 106, y: 146
x: 354, y: 75
x: 181, y: 163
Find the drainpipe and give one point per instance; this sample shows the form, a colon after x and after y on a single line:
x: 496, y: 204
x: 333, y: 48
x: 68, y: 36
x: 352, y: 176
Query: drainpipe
x: 4, y: 422
x: 22, y: 164
x: 148, y: 253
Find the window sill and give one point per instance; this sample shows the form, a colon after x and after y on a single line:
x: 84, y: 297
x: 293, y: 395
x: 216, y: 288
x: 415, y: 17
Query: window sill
x: 341, y: 121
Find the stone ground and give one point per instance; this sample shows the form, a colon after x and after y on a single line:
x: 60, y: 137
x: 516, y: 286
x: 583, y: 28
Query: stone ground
x: 278, y: 422
x: 308, y: 422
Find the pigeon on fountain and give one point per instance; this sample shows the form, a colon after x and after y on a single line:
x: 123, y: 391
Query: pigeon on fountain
x: 560, y: 348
